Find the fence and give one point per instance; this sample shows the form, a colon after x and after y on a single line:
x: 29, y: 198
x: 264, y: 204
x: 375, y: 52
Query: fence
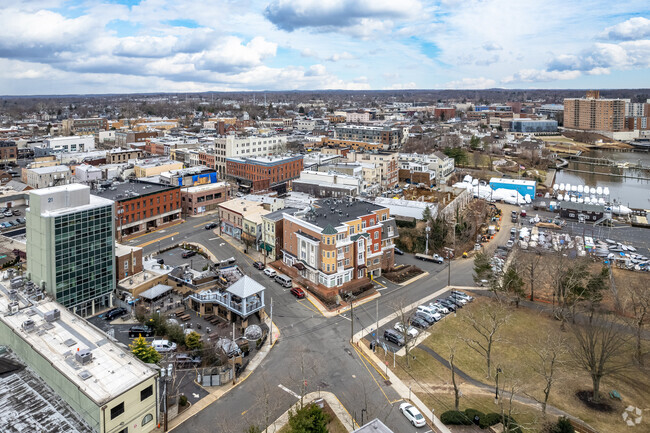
x: 216, y: 379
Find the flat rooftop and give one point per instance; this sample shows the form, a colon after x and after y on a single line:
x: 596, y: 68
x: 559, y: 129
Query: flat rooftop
x: 127, y: 190
x: 265, y: 160
x: 111, y: 372
x: 327, y: 212
x: 206, y: 187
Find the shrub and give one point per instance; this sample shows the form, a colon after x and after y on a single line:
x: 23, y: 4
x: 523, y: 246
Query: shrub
x: 494, y: 418
x: 455, y: 417
x: 471, y: 413
x: 182, y: 400
x: 176, y: 334
x: 563, y: 426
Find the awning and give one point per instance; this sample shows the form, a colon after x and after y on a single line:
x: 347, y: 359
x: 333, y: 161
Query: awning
x: 155, y: 292
x: 361, y: 267
x: 268, y: 247
x: 299, y: 266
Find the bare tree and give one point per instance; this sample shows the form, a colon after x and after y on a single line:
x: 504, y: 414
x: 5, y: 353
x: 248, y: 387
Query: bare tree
x: 486, y: 323
x: 638, y: 305
x: 404, y: 317
x: 599, y: 350
x: 550, y: 352
x: 267, y: 403
x: 531, y: 267
x: 452, y: 355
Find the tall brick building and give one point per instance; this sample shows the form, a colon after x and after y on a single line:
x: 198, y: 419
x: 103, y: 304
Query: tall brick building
x: 593, y: 113
x: 261, y: 173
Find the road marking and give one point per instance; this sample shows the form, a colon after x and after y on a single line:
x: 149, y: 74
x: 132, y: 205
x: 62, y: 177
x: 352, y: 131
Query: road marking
x: 154, y: 231
x: 343, y: 316
x: 307, y: 306
x: 284, y: 388
x: 244, y: 413
x: 157, y: 240
x: 198, y: 225
x: 212, y: 239
x: 375, y: 281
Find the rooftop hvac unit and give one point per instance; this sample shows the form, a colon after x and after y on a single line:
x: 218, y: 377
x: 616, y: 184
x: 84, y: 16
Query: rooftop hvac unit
x: 13, y: 307
x: 83, y: 356
x: 51, y: 316
x: 28, y: 325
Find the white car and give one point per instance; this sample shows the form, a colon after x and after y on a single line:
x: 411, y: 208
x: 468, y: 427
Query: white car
x: 441, y: 308
x: 269, y: 272
x: 412, y: 414
x: 412, y: 332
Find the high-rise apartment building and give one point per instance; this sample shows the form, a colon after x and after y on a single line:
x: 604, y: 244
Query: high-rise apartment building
x: 70, y: 246
x: 593, y: 113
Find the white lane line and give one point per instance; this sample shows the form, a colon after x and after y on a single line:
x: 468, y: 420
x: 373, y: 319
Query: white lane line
x: 211, y: 239
x: 284, y: 388
x: 343, y: 316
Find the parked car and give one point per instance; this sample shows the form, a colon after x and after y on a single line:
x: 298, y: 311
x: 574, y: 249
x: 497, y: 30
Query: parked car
x: 431, y: 311
x: 259, y: 265
x: 188, y: 253
x: 419, y: 322
x: 297, y: 292
x: 115, y: 313
x: 210, y: 226
x: 426, y: 317
x: 438, y: 259
x: 22, y: 220
x: 270, y: 272
x: 441, y: 308
x: 510, y: 244
x: 394, y: 337
x: 16, y: 212
x: 398, y: 251
x: 412, y: 414
x: 449, y: 305
x: 462, y: 295
x: 458, y: 302
x: 163, y: 346
x: 183, y: 360
x: 137, y: 330
x: 411, y: 331
x: 8, y: 213
x: 160, y: 261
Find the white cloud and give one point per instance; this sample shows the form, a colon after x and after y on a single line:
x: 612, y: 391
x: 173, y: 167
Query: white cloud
x: 632, y: 29
x: 534, y: 76
x: 492, y: 46
x: 402, y: 86
x: 471, y: 83
x: 358, y: 17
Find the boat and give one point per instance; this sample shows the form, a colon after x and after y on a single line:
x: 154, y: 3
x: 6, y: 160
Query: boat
x: 556, y: 186
x: 599, y: 190
x: 580, y: 189
x: 561, y: 187
x: 574, y: 188
x: 592, y: 190
x: 560, y: 197
x: 606, y: 191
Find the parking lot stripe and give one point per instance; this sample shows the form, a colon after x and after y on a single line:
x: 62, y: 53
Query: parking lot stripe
x: 284, y: 388
x: 360, y: 352
x: 156, y: 240
x: 308, y: 307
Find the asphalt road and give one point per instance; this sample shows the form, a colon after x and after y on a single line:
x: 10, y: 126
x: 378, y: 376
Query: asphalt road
x: 312, y: 350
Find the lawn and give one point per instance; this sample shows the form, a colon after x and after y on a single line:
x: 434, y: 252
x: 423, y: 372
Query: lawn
x: 516, y: 356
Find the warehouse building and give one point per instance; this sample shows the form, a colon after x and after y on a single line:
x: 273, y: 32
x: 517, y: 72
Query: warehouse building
x: 523, y: 187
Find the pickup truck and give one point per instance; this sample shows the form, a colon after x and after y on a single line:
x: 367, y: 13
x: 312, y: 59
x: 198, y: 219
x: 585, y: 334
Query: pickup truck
x: 434, y: 258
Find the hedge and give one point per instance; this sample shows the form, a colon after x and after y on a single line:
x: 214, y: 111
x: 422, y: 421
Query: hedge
x: 471, y: 413
x: 494, y: 418
x: 455, y: 417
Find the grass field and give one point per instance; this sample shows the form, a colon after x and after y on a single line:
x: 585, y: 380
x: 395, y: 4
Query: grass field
x: 515, y: 354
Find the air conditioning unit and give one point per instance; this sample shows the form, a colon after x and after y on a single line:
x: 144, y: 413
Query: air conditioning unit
x: 13, y: 307
x: 28, y: 325
x: 83, y: 356
x: 51, y: 316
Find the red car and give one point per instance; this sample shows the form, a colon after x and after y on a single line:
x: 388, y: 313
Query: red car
x: 298, y: 292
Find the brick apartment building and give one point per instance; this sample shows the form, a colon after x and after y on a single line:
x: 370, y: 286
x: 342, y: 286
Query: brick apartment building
x: 124, y: 138
x: 387, y: 136
x: 121, y: 156
x: 8, y: 152
x: 196, y: 200
x: 142, y: 206
x: 444, y: 113
x: 263, y: 173
x: 83, y: 126
x: 128, y: 261
x: 339, y: 241
x: 594, y: 113
x: 358, y: 146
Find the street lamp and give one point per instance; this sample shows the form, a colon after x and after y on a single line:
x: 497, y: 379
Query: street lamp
x: 496, y: 390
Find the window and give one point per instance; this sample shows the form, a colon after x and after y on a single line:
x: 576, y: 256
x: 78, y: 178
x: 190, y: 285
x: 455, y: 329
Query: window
x: 124, y: 430
x: 363, y: 224
x: 147, y: 419
x: 347, y: 249
x: 146, y: 393
x: 377, y: 235
x: 117, y: 410
x: 126, y: 265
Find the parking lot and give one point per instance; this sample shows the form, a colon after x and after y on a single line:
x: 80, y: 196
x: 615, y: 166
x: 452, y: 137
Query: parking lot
x: 12, y: 218
x: 174, y: 257
x: 391, y: 346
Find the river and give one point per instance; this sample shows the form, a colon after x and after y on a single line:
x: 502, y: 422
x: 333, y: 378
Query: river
x: 630, y: 192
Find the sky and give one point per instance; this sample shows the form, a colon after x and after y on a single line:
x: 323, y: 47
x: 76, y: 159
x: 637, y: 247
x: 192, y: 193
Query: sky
x: 133, y: 46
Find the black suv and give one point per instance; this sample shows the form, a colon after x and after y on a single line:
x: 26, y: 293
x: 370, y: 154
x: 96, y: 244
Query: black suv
x: 115, y: 313
x: 138, y: 330
x: 394, y: 337
x: 188, y: 253
x: 259, y: 265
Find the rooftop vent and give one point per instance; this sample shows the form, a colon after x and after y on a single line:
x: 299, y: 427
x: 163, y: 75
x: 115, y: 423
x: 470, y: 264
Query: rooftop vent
x: 53, y: 315
x: 83, y: 356
x: 85, y: 374
x: 28, y: 325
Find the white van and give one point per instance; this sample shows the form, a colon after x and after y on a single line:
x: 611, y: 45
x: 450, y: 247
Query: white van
x: 163, y: 346
x: 283, y: 280
x: 430, y: 311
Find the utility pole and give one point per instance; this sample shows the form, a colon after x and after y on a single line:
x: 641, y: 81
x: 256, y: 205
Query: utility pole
x: 265, y: 250
x: 377, y: 323
x: 271, y: 332
x: 352, y: 320
x: 426, y: 248
x: 233, y: 358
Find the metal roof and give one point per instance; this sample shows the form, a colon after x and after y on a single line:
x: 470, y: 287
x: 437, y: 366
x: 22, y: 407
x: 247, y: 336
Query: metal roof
x: 245, y: 287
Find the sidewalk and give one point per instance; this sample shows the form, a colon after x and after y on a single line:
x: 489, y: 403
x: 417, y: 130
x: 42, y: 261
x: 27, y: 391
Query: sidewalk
x: 401, y: 389
x: 217, y: 392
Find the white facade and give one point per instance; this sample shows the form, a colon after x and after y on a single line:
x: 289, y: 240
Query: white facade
x: 87, y: 173
x: 106, y: 136
x: 44, y: 177
x: 331, y: 178
x: 253, y: 145
x: 634, y: 109
x: 357, y: 117
x: 75, y: 143
x: 305, y: 124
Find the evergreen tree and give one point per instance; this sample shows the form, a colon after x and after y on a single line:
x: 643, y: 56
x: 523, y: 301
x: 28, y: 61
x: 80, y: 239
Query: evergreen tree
x: 144, y: 351
x: 309, y: 419
x: 482, y: 267
x: 193, y: 341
